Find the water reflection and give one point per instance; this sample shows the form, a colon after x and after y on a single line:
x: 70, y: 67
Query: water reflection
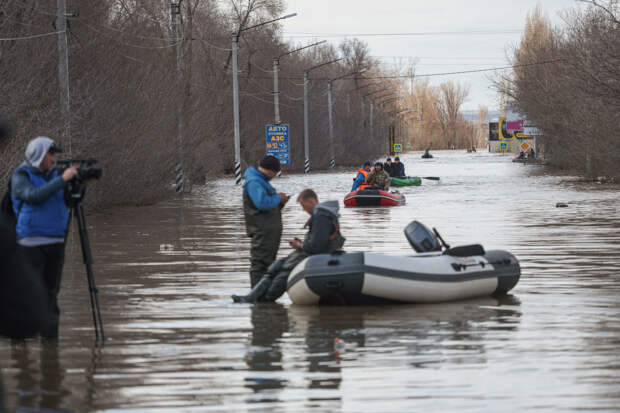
x: 40, y: 378
x: 176, y: 343
x: 269, y: 323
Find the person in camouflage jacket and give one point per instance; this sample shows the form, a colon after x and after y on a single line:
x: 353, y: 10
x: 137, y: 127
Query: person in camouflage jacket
x: 378, y: 178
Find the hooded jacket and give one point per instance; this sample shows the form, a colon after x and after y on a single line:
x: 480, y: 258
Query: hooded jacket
x: 324, y: 235
x: 38, y: 198
x: 260, y: 203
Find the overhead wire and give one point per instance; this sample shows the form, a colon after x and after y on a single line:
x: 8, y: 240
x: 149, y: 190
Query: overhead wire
x: 33, y: 36
x: 460, y: 33
x: 129, y: 44
x: 440, y: 74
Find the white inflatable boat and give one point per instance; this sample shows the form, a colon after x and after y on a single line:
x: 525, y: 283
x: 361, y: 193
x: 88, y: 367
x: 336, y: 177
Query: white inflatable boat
x: 430, y: 276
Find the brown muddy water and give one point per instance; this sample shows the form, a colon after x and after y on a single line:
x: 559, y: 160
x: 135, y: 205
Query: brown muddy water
x: 176, y: 342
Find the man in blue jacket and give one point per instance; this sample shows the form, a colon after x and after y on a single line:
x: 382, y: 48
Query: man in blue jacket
x: 263, y: 219
x: 37, y: 193
x: 323, y: 237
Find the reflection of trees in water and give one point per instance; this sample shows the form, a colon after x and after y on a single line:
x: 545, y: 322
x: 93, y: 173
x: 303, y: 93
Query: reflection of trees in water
x: 427, y: 333
x: 269, y: 323
x: 446, y: 333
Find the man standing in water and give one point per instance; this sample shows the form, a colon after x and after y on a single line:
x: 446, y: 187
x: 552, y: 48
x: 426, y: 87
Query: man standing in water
x: 38, y: 197
x: 263, y: 219
x: 323, y: 238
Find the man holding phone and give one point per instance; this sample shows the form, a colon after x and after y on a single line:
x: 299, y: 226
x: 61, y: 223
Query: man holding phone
x: 262, y: 207
x: 323, y: 237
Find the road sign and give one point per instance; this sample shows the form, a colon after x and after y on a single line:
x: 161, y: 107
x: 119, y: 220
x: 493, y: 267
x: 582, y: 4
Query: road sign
x: 408, y: 145
x: 514, y: 125
x: 522, y: 135
x: 276, y: 137
x: 503, y: 146
x: 398, y: 147
x: 524, y: 146
x: 532, y: 131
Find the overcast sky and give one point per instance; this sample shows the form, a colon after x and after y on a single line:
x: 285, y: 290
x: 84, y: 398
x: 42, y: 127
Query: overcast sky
x: 500, y: 21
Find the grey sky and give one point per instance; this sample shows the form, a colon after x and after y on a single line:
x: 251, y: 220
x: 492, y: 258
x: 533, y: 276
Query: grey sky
x: 505, y: 19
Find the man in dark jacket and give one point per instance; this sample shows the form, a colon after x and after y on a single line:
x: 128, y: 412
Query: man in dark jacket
x: 398, y: 168
x: 389, y: 167
x: 323, y: 237
x: 38, y: 196
x: 23, y: 301
x: 263, y: 220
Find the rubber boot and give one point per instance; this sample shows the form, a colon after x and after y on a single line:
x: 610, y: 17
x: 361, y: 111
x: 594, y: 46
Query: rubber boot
x: 259, y: 289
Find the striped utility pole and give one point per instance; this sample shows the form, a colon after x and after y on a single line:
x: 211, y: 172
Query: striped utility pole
x: 175, y: 10
x: 63, y: 69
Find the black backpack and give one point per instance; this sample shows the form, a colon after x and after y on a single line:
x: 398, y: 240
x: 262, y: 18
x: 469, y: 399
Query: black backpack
x: 6, y: 208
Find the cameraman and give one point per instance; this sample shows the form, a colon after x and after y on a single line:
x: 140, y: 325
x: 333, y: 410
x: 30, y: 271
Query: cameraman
x: 38, y: 195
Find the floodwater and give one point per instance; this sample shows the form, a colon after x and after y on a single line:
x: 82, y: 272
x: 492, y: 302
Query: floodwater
x: 175, y: 342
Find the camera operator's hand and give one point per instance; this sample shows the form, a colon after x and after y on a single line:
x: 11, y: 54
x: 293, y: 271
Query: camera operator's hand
x: 283, y: 198
x: 69, y: 173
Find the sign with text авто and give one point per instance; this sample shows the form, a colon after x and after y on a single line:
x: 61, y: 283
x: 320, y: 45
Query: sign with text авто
x: 276, y: 137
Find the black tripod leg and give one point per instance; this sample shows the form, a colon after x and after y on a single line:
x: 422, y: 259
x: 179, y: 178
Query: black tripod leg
x: 88, y: 262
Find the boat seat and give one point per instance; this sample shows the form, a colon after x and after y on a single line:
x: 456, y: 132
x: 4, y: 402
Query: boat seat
x: 465, y: 251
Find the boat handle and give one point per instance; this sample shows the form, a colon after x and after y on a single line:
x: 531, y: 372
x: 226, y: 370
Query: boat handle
x: 333, y: 262
x: 334, y: 284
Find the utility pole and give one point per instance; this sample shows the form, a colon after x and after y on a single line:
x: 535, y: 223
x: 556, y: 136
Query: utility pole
x: 175, y: 10
x: 332, y: 161
x: 235, y: 43
x: 372, y: 105
x: 276, y: 91
x: 276, y: 69
x: 237, y: 132
x: 306, y: 133
x: 330, y: 84
x: 63, y: 69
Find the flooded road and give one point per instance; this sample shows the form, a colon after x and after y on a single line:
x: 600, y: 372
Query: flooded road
x: 175, y: 342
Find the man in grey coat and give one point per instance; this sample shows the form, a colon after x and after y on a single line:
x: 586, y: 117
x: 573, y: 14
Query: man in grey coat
x: 323, y: 237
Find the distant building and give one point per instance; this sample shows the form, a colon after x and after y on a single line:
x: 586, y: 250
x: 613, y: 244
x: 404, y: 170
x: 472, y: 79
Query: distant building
x: 512, y: 133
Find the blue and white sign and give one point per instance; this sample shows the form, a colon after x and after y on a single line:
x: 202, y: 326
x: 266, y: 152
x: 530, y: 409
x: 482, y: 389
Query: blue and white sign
x: 398, y: 147
x: 277, y: 142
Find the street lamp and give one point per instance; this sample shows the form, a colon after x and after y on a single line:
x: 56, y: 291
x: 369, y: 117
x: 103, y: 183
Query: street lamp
x: 306, y: 133
x: 372, y: 105
x: 235, y: 42
x: 276, y: 91
x: 330, y: 82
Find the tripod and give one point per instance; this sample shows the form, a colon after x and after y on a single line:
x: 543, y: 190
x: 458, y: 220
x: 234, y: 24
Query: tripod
x: 76, y: 195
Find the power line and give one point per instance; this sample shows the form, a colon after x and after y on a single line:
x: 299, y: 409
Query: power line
x: 33, y: 36
x: 436, y: 74
x: 464, y: 32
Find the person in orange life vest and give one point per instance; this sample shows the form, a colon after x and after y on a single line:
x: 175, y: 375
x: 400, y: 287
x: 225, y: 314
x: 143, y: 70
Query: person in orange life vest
x: 360, y: 179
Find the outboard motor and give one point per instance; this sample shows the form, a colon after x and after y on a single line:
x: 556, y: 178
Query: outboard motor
x: 421, y: 238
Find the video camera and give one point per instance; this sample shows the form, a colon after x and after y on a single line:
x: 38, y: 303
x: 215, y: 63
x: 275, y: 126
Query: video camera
x: 85, y: 170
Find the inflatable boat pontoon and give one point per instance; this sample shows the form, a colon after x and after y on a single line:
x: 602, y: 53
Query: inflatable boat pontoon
x: 428, y: 277
x: 373, y: 197
x: 406, y: 181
